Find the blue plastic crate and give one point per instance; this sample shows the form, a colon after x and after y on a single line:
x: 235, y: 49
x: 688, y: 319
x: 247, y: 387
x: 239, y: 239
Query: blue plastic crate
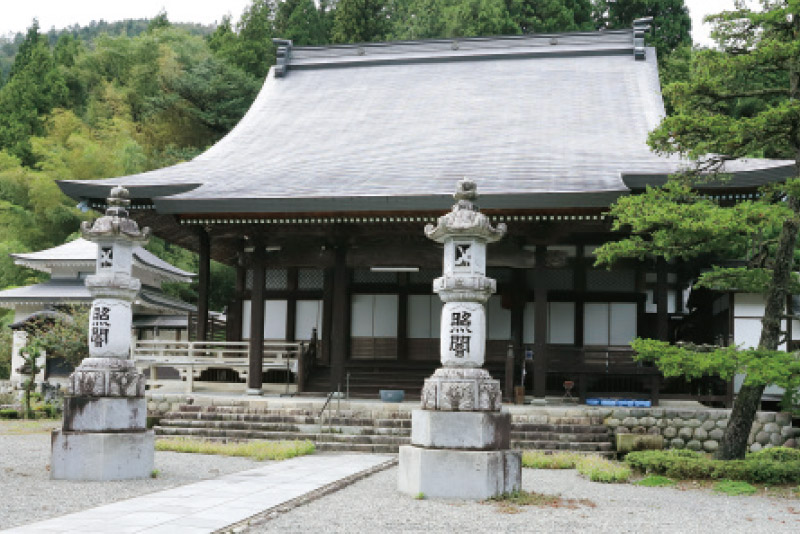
x: 642, y: 403
x: 608, y: 402
x: 628, y: 403
x: 392, y: 395
x: 593, y: 402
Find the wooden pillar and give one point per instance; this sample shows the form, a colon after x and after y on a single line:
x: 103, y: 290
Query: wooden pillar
x: 291, y: 304
x: 234, y: 319
x: 519, y: 293
x: 402, y: 317
x: 327, y: 315
x: 254, y: 377
x: 662, y: 318
x: 539, y: 328
x: 340, y: 327
x: 203, y: 278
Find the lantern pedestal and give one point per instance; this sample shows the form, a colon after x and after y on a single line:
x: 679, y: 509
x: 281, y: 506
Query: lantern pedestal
x: 460, y: 439
x: 104, y: 434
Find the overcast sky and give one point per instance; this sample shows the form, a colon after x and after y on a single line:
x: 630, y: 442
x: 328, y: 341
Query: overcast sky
x: 16, y: 15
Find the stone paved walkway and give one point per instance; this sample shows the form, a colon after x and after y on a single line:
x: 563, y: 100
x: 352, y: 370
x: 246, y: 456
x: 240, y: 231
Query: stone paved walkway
x: 212, y: 504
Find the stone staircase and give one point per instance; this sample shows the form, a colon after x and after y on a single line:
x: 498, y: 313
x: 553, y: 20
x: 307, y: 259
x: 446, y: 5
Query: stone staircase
x: 383, y: 432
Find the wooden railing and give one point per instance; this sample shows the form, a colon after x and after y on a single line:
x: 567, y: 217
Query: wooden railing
x: 191, y: 358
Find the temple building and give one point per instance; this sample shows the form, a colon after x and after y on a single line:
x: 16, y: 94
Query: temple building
x: 319, y: 197
x: 156, y: 314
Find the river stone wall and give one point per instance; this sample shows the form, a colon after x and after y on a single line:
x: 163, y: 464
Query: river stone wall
x: 700, y: 430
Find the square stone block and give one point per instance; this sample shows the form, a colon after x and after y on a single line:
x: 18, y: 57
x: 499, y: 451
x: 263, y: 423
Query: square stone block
x: 458, y: 474
x: 104, y: 414
x: 460, y: 430
x: 101, y: 456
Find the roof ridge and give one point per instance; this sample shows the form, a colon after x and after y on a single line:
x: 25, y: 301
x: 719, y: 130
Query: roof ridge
x: 452, y: 49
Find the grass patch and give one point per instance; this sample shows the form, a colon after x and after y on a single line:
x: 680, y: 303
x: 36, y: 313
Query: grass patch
x: 17, y: 427
x: 599, y: 469
x: 593, y: 467
x: 510, y: 503
x: 557, y: 460
x: 257, y: 450
x: 734, y: 487
x: 656, y: 481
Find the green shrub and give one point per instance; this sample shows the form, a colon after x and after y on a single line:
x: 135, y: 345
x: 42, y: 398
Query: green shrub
x: 9, y: 414
x: 734, y: 487
x: 599, y: 469
x: 681, y: 464
x: 778, y: 454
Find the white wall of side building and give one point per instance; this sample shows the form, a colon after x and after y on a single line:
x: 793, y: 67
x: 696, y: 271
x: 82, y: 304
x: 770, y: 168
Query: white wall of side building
x: 748, y: 309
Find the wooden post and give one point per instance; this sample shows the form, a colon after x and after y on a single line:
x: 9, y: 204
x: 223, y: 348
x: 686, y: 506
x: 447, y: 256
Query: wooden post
x: 256, y: 361
x: 340, y: 327
x: 402, y: 317
x: 519, y: 294
x: 203, y: 277
x: 539, y: 328
x: 327, y: 316
x: 662, y: 319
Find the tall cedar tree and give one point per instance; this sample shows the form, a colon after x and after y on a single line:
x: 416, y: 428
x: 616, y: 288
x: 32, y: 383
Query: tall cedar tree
x: 359, y: 21
x: 741, y: 101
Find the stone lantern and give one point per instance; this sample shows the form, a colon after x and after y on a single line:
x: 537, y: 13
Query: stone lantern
x: 460, y: 438
x: 104, y: 434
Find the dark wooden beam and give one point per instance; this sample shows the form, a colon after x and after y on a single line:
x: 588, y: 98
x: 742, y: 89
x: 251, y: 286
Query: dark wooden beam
x: 203, y: 280
x: 340, y: 327
x: 254, y: 378
x: 539, y: 328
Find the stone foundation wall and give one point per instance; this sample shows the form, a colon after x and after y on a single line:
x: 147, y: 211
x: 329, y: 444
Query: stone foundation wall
x: 700, y: 430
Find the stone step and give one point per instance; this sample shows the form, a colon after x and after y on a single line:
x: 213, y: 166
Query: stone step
x: 556, y: 436
x: 317, y: 436
x: 561, y: 429
x: 561, y: 446
x: 356, y: 447
x: 314, y: 426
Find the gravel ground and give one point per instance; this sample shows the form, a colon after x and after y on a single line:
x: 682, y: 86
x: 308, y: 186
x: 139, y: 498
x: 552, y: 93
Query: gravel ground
x: 27, y: 494
x: 373, y: 505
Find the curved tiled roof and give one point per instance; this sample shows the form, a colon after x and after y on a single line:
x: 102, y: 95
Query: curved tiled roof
x: 536, y: 121
x: 83, y: 252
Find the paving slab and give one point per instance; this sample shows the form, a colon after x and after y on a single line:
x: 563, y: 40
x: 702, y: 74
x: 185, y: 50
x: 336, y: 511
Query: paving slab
x: 207, y: 506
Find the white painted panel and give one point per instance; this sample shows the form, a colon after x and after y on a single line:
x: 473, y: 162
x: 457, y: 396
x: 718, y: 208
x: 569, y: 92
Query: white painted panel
x: 528, y: 318
x: 436, y: 316
x: 499, y: 319
x: 595, y: 323
x: 671, y: 301
x: 650, y: 303
x: 245, y: 319
x: 795, y: 330
x: 419, y: 316
x: 361, y: 315
x: 307, y: 317
x: 561, y: 323
x: 748, y: 305
x: 385, y: 316
x: 746, y: 332
x: 623, y: 323
x: 275, y: 319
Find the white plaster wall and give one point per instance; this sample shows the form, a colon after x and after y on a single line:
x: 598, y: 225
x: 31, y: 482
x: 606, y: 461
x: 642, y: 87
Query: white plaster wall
x: 748, y: 309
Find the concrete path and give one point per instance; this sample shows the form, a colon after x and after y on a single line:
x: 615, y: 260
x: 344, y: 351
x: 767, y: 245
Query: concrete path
x: 212, y: 504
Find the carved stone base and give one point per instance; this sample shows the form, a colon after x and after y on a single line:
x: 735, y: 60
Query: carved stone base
x: 106, y: 377
x: 458, y: 474
x: 101, y: 456
x: 460, y: 389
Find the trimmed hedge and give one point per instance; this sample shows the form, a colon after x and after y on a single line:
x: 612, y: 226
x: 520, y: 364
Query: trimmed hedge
x: 779, y: 465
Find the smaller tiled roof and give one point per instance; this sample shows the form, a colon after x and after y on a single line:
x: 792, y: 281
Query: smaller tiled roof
x: 81, y: 252
x: 74, y: 291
